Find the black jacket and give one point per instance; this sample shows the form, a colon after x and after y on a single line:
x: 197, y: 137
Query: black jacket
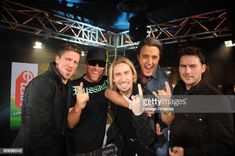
x: 202, y: 134
x: 114, y: 134
x: 44, y: 115
x: 207, y: 134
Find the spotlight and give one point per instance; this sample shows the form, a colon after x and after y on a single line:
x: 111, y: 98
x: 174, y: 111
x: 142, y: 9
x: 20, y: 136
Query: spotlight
x: 37, y: 45
x: 83, y: 53
x: 229, y: 43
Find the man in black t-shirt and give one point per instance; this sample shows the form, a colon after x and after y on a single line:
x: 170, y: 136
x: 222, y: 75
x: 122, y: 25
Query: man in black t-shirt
x: 87, y: 121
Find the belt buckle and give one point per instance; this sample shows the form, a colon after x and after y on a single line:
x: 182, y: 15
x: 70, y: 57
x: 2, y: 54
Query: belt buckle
x: 132, y: 139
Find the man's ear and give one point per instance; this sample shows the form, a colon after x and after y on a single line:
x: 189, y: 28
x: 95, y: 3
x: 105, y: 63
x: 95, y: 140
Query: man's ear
x: 138, y: 57
x: 133, y: 77
x: 57, y: 59
x: 203, y: 68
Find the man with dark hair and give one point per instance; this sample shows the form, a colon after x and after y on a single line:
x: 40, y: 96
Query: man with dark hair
x: 149, y: 52
x: 87, y: 121
x: 198, y: 133
x: 45, y: 106
x: 194, y: 133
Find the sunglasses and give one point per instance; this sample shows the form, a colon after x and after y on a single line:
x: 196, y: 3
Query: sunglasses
x: 95, y: 62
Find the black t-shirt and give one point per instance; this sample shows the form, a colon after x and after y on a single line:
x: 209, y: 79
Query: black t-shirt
x: 89, y: 132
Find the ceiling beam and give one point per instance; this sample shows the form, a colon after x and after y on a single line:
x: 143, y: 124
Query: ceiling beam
x: 26, y: 19
x: 208, y: 25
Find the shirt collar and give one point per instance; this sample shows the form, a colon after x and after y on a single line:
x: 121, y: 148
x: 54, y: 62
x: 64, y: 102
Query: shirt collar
x: 198, y: 86
x: 156, y: 72
x: 153, y: 76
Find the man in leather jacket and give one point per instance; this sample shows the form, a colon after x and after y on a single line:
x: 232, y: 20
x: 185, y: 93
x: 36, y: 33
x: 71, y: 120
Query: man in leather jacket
x: 199, y: 133
x: 45, y: 107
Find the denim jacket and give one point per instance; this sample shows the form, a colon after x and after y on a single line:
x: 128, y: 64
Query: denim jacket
x: 156, y: 81
x: 144, y: 125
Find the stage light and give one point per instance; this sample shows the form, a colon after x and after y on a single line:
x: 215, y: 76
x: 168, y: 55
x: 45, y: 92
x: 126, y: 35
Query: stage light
x: 229, y: 43
x: 168, y: 72
x: 83, y: 53
x: 37, y: 45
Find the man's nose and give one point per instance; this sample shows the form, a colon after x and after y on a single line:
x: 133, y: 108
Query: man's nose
x: 187, y: 70
x: 71, y: 64
x: 123, y: 78
x: 150, y: 60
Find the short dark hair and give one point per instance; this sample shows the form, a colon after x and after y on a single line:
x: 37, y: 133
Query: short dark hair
x: 67, y: 47
x: 150, y: 41
x: 192, y: 51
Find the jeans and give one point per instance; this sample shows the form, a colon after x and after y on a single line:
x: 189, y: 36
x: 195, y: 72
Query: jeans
x: 163, y: 151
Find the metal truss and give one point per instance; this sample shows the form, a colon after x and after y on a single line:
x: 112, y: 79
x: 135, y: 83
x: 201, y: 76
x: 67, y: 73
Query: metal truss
x: 124, y: 41
x: 209, y: 25
x: 22, y: 18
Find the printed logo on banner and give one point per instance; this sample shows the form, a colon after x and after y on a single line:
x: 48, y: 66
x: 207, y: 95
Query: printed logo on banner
x: 21, y: 82
x: 21, y: 75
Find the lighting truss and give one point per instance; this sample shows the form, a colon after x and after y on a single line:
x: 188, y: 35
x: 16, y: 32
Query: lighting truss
x: 209, y: 25
x: 22, y: 18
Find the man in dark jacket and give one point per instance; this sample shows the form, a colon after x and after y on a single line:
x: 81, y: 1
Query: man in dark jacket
x: 150, y: 76
x: 123, y: 78
x: 45, y: 107
x: 196, y: 133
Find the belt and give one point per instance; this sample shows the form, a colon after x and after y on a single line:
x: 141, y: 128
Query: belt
x: 131, y: 139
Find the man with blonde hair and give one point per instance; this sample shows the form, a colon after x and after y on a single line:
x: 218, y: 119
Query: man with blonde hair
x: 123, y: 78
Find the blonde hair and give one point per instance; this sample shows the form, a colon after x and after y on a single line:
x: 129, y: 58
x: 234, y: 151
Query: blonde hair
x: 116, y: 62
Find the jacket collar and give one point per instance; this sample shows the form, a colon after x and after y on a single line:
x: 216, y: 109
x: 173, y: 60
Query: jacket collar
x: 155, y: 74
x: 54, y: 71
x: 194, y: 89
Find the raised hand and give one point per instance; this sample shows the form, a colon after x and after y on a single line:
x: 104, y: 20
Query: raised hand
x: 163, y: 94
x: 136, y: 102
x: 82, y: 98
x: 176, y: 151
x: 158, y: 129
x: 75, y: 112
